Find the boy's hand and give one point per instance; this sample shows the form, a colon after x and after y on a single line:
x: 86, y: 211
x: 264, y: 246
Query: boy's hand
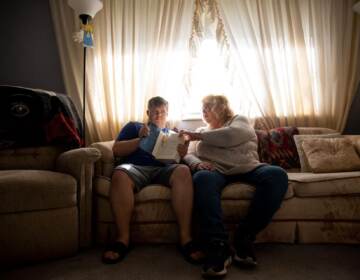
x: 144, y: 131
x: 182, y: 149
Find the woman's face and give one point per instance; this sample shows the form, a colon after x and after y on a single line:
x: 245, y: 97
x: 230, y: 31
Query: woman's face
x: 209, y: 116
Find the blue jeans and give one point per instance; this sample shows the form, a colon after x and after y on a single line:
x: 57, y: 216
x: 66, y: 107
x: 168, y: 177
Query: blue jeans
x: 270, y: 182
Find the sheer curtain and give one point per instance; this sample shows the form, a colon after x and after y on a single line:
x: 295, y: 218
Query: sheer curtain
x: 141, y: 50
x: 297, y: 60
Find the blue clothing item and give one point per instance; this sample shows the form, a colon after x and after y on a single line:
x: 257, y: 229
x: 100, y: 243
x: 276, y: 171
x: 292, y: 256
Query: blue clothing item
x: 270, y: 182
x: 147, y: 143
x: 139, y: 157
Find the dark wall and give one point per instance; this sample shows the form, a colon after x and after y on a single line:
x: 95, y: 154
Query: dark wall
x: 353, y: 121
x: 28, y: 52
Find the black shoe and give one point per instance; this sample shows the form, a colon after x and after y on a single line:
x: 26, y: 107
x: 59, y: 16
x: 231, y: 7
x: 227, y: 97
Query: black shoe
x: 218, y: 259
x: 244, y: 255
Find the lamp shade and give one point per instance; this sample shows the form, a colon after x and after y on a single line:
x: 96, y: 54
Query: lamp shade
x: 86, y: 7
x: 356, y: 7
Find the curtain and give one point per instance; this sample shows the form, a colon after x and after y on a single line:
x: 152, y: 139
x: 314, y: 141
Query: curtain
x: 140, y: 51
x: 297, y: 60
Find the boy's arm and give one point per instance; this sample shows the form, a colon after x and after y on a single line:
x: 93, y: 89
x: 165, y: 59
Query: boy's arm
x: 123, y: 148
x: 128, y: 140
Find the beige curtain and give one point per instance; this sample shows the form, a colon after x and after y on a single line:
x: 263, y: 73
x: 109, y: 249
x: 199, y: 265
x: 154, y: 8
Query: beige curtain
x: 297, y: 60
x: 141, y: 50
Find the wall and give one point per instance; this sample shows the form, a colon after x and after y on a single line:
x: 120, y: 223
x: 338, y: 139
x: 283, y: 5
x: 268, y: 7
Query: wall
x: 353, y: 121
x: 28, y: 51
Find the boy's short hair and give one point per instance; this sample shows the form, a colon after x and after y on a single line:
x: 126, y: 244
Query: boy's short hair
x: 157, y: 101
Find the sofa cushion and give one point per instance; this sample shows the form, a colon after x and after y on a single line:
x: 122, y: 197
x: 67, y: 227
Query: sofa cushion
x: 242, y: 191
x: 150, y: 193
x: 305, y: 167
x: 277, y: 147
x: 233, y: 191
x: 27, y: 190
x: 331, y: 155
x: 325, y: 184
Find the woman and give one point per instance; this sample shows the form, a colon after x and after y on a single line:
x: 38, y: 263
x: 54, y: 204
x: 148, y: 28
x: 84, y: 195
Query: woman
x: 222, y: 152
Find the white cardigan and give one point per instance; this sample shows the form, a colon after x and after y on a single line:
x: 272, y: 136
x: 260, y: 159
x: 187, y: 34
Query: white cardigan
x: 232, y: 149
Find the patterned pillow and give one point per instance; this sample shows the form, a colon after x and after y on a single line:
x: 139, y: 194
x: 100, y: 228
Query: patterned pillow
x: 277, y: 147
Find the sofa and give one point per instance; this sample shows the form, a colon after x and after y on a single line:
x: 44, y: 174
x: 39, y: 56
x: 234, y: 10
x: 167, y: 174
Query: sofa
x: 317, y: 208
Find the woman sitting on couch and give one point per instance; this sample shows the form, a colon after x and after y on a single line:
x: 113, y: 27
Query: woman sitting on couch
x: 222, y: 152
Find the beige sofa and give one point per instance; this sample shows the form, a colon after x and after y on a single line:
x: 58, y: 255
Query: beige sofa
x: 45, y: 209
x: 318, y: 208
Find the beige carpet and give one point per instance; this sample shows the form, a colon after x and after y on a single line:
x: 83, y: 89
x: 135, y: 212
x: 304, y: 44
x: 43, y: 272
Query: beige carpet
x: 277, y: 261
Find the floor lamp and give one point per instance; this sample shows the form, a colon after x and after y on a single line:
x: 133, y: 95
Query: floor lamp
x: 86, y: 9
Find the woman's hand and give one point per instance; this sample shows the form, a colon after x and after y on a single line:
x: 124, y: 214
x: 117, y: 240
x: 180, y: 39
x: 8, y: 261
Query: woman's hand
x: 204, y: 165
x: 190, y: 136
x: 144, y: 131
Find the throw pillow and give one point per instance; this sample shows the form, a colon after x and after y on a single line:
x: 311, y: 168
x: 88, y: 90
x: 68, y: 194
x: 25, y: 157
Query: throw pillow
x: 331, y: 155
x: 298, y: 142
x: 277, y: 147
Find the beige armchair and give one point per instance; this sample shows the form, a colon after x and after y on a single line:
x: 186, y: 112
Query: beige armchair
x: 46, y: 197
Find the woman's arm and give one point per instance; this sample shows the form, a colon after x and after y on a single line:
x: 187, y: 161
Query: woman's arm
x: 239, y: 131
x: 191, y: 159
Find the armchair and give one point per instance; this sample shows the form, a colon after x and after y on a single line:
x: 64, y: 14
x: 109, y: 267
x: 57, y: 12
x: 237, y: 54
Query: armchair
x: 45, y: 189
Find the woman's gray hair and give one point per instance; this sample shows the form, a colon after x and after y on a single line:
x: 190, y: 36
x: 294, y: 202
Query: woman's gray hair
x: 219, y: 105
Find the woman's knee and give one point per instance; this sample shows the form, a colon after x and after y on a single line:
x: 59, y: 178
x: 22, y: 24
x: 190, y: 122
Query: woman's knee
x: 202, y: 177
x: 279, y: 178
x: 207, y: 181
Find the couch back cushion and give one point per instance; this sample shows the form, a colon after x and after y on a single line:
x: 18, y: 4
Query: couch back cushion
x: 41, y: 158
x: 277, y: 147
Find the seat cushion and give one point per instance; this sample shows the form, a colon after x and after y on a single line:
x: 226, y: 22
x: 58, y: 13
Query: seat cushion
x: 234, y: 191
x: 325, y: 184
x: 28, y: 190
x: 242, y: 191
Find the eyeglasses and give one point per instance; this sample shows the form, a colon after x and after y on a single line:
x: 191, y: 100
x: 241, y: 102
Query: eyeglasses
x: 206, y: 108
x: 158, y: 112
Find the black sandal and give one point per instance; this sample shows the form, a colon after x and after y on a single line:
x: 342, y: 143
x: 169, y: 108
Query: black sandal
x: 117, y: 247
x: 189, y: 248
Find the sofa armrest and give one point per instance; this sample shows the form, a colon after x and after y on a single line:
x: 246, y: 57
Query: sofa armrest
x: 104, y: 166
x: 79, y: 163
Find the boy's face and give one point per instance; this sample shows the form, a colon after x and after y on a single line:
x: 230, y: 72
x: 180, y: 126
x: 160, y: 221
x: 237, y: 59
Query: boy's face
x: 158, y: 115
